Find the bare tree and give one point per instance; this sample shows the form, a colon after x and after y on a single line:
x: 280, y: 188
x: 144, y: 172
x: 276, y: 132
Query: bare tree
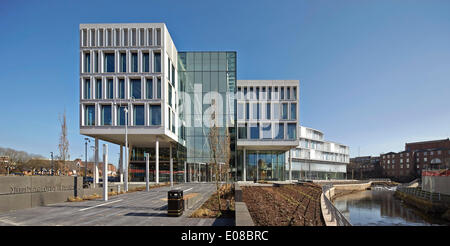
x: 220, y: 151
x: 63, y: 145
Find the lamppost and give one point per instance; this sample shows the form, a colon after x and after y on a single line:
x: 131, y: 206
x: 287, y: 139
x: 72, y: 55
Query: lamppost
x: 125, y: 180
x: 53, y: 170
x: 95, y: 173
x: 85, y: 158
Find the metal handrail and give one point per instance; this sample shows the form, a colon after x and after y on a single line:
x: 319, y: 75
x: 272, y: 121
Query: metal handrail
x: 426, y: 195
x: 335, y: 213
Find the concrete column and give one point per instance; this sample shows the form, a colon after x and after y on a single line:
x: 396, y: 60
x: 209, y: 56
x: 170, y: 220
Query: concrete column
x: 157, y: 161
x: 147, y: 170
x: 171, y: 165
x: 190, y: 173
x: 185, y: 171
x: 244, y: 173
x: 105, y: 172
x: 290, y: 165
x: 121, y: 164
x: 96, y: 162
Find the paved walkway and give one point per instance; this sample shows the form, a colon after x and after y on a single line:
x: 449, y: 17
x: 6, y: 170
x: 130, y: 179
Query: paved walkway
x: 136, y: 208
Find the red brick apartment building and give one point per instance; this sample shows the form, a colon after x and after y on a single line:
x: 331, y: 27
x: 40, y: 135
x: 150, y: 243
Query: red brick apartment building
x: 407, y: 165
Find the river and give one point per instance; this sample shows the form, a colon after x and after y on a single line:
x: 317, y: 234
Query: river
x: 380, y: 208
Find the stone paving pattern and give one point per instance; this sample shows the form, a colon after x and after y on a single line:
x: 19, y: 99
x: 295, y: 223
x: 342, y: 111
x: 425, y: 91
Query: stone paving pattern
x: 132, y: 209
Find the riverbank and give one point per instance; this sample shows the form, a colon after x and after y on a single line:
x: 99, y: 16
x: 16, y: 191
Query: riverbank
x: 380, y: 208
x: 434, y: 209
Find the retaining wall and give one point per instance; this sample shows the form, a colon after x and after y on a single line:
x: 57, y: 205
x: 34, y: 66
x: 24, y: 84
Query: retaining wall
x: 21, y: 192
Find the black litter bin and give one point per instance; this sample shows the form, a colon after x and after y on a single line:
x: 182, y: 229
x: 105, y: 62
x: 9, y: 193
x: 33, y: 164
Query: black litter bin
x: 175, y: 204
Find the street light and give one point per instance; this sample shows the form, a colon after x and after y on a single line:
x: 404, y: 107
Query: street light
x: 53, y: 170
x: 125, y: 181
x: 85, y: 158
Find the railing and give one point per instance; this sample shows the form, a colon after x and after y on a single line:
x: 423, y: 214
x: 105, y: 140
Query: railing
x: 426, y: 195
x: 335, y: 213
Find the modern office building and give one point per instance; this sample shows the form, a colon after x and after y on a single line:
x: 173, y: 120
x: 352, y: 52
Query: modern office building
x: 315, y: 158
x: 267, y: 122
x: 138, y: 90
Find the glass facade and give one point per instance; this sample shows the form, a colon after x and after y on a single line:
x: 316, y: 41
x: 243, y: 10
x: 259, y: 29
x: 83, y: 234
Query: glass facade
x: 157, y: 63
x: 134, y: 62
x: 137, y: 164
x: 121, y: 115
x: 110, y: 89
x: 123, y: 62
x: 106, y: 115
x: 98, y: 89
x: 109, y: 63
x: 145, y: 62
x: 89, y: 117
x: 135, y: 88
x: 204, y: 76
x: 121, y: 89
x: 155, y: 115
x: 138, y: 115
x: 263, y: 165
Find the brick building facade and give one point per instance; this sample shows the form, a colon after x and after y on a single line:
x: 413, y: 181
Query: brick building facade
x: 407, y: 165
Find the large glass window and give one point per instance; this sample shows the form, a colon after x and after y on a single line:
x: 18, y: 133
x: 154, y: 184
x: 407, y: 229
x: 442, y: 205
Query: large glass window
x: 96, y: 58
x: 240, y: 111
x: 279, y: 129
x: 106, y: 115
x: 267, y: 131
x: 149, y: 89
x: 276, y: 111
x: 155, y: 115
x: 268, y: 111
x: 270, y: 93
x: 138, y: 115
x: 242, y: 131
x: 157, y: 64
x: 292, y: 133
x: 247, y: 111
x: 158, y: 88
x: 87, y: 62
x: 288, y: 93
x: 294, y: 89
x: 254, y: 131
x: 293, y: 111
x: 123, y: 62
x: 109, y: 63
x: 145, y: 62
x: 135, y: 88
x: 121, y: 115
x: 169, y: 86
x: 98, y: 89
x: 89, y: 117
x: 87, y: 89
x: 134, y: 62
x: 284, y: 111
x: 110, y: 89
x: 282, y: 93
x: 121, y: 88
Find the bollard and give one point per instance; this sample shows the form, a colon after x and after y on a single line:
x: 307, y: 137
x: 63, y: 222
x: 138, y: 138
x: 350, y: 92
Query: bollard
x: 118, y: 189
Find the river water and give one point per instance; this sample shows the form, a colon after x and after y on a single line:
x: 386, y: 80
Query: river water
x: 380, y: 208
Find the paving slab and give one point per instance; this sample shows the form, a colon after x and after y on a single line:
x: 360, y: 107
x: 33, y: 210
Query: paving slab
x: 132, y: 209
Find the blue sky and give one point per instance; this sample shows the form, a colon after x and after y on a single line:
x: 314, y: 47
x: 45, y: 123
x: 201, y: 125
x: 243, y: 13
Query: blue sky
x: 374, y: 74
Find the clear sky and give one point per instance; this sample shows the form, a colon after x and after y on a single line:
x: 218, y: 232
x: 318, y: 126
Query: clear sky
x: 374, y: 74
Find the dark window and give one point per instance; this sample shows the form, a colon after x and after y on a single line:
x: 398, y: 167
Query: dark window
x: 109, y: 62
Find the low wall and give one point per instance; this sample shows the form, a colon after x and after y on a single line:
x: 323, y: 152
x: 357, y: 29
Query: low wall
x: 21, y: 192
x: 437, y: 184
x: 242, y: 215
